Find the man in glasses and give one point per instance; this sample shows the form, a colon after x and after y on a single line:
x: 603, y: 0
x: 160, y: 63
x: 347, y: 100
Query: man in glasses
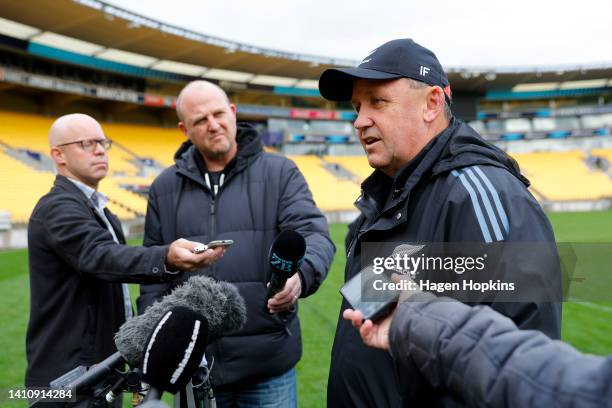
x: 79, y: 263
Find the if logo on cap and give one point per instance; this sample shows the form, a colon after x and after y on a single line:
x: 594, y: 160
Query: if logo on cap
x: 424, y: 70
x: 367, y: 57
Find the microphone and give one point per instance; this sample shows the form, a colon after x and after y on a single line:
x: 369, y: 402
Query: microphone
x: 286, y: 256
x: 219, y: 302
x: 90, y: 378
x: 174, y: 350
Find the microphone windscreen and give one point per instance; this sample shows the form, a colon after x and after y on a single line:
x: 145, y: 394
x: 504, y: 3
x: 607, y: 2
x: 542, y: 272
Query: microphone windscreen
x: 219, y: 302
x: 287, y: 252
x: 174, y: 349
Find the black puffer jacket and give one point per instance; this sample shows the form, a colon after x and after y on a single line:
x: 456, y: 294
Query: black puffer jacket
x: 262, y: 194
x: 484, y: 360
x: 458, y: 189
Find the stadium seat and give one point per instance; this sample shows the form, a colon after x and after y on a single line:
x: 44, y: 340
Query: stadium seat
x: 21, y: 186
x: 564, y: 176
x: 27, y: 131
x: 358, y: 165
x: 330, y: 193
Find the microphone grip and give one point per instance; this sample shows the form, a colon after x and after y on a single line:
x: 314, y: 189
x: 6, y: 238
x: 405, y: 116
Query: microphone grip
x: 277, y: 283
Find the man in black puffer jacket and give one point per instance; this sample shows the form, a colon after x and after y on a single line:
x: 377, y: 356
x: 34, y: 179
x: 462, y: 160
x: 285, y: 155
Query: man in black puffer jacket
x: 224, y: 186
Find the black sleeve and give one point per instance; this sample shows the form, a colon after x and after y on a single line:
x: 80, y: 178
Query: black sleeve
x: 88, y: 247
x: 297, y: 211
x: 488, y: 205
x: 484, y: 360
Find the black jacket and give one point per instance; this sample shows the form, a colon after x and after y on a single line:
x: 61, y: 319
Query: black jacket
x: 263, y: 194
x: 459, y: 188
x: 76, y: 302
x: 485, y: 361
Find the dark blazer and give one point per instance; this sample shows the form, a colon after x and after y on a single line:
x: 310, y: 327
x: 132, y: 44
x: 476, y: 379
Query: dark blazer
x: 76, y: 270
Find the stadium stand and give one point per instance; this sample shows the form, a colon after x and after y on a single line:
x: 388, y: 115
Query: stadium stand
x: 29, y: 132
x: 21, y: 187
x: 560, y: 119
x: 564, y: 176
x: 330, y: 193
x: 149, y: 142
x: 26, y: 131
x: 550, y: 172
x: 605, y: 153
x: 358, y: 165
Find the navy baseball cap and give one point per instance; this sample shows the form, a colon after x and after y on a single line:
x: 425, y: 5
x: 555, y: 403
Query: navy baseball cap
x: 394, y: 59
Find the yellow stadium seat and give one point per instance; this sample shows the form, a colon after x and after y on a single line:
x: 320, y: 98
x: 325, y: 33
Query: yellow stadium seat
x: 358, y: 165
x: 330, y: 193
x: 563, y: 176
x: 556, y: 176
x: 27, y: 131
x: 22, y: 187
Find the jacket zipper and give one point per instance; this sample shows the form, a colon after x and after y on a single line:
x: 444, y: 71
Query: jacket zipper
x: 213, y: 227
x: 213, y: 218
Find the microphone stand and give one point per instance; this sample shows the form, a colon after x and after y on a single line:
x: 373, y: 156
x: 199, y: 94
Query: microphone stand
x: 198, y: 393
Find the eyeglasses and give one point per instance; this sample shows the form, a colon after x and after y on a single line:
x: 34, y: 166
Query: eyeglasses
x: 89, y: 145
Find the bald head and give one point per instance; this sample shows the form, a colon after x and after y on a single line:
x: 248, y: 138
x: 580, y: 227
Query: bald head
x: 74, y: 160
x: 199, y: 89
x: 73, y: 127
x: 208, y: 119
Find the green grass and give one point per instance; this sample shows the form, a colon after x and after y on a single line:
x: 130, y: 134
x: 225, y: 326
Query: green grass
x: 586, y: 326
x: 593, y: 226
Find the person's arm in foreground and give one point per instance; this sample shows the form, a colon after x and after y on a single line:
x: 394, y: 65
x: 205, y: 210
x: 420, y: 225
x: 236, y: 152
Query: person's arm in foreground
x: 482, y: 358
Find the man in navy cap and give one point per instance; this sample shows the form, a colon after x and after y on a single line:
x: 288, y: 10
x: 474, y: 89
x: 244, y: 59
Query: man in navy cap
x: 435, y: 180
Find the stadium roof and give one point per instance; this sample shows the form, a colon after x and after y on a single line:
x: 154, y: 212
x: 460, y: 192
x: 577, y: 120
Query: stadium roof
x: 109, y: 32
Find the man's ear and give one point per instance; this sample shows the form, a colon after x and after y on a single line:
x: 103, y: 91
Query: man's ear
x: 57, y: 155
x: 182, y: 128
x: 435, y: 103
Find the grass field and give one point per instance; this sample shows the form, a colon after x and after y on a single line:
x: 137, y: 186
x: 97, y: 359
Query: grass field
x: 588, y: 326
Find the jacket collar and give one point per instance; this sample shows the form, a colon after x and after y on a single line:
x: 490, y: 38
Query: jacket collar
x: 63, y: 183
x: 386, y: 192
x: 249, y: 146
x: 456, y: 146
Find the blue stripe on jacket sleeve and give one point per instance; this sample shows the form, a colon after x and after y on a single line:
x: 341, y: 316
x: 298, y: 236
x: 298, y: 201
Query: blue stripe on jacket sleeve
x: 496, y: 200
x: 487, y: 204
x: 476, y: 205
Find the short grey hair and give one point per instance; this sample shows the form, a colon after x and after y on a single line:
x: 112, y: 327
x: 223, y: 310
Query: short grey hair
x: 414, y: 84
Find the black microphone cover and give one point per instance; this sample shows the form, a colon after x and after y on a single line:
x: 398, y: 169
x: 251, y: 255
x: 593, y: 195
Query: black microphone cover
x: 286, y: 256
x: 219, y: 302
x: 174, y: 349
